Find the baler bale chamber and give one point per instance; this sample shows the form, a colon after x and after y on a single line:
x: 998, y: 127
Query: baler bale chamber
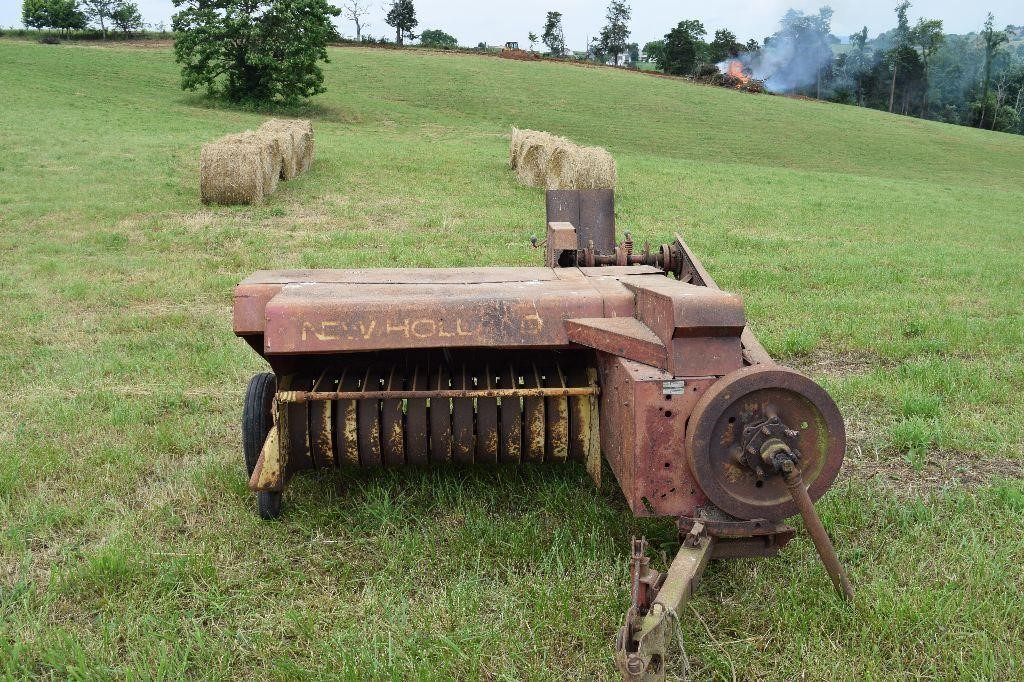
x: 633, y: 354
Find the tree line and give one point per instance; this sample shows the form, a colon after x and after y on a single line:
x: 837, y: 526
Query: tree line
x: 66, y: 16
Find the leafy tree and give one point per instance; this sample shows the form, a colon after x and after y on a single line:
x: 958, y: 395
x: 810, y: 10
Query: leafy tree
x: 723, y: 46
x: 928, y: 37
x: 402, y: 16
x: 858, y: 62
x: 993, y: 39
x: 100, y: 11
x: 253, y: 50
x: 35, y: 13
x: 532, y: 37
x: 439, y: 39
x: 355, y: 11
x: 683, y: 46
x: 751, y: 46
x: 633, y: 53
x: 616, y: 32
x: 654, y: 51
x: 901, y: 47
x: 126, y: 17
x: 65, y: 15
x: 553, y: 36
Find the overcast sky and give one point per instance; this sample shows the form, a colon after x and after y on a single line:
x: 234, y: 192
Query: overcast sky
x: 475, y: 21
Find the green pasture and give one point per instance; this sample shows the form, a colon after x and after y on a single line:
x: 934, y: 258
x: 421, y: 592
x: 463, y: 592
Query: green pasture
x: 880, y: 254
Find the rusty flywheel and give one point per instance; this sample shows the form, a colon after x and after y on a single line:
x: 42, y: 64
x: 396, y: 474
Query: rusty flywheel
x: 746, y: 416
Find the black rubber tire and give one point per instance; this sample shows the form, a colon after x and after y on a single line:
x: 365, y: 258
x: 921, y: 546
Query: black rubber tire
x: 257, y: 417
x: 268, y: 504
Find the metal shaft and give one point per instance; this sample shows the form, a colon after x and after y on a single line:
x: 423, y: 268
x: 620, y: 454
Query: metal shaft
x: 798, y: 490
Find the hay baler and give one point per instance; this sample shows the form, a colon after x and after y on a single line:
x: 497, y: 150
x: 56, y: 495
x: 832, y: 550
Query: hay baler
x: 607, y: 349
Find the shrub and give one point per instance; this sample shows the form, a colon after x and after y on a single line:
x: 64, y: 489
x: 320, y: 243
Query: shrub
x: 438, y: 39
x: 50, y: 40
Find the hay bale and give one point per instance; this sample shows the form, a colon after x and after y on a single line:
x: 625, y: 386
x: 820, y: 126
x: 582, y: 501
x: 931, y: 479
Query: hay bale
x: 591, y: 168
x: 303, y: 144
x: 270, y: 155
x: 295, y: 136
x: 544, y: 160
x: 236, y: 169
x: 281, y: 133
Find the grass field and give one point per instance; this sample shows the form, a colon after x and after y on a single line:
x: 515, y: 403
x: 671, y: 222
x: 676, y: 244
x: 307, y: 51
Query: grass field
x: 880, y: 254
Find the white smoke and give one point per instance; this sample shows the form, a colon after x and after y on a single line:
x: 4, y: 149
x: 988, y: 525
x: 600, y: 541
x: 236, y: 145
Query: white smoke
x: 783, y: 65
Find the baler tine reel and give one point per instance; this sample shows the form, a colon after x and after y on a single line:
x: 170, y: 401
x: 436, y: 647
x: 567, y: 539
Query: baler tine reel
x: 630, y: 354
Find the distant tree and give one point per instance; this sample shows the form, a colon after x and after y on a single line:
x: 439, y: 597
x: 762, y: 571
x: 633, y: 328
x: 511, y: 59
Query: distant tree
x: 654, y: 51
x: 532, y: 37
x: 253, y: 50
x: 402, y: 16
x: 752, y: 46
x: 99, y: 11
x: 901, y: 47
x: 858, y: 62
x: 992, y: 40
x: 808, y: 35
x: 683, y: 46
x: 723, y: 46
x: 439, y: 39
x: 36, y: 13
x: 126, y: 17
x: 553, y: 36
x: 632, y: 53
x: 355, y: 11
x: 66, y: 16
x: 927, y: 37
x: 616, y: 32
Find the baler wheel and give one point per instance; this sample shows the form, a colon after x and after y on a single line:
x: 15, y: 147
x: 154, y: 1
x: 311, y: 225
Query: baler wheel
x: 268, y: 504
x: 257, y: 417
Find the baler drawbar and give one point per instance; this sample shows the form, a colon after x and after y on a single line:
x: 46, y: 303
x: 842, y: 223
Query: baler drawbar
x: 633, y: 354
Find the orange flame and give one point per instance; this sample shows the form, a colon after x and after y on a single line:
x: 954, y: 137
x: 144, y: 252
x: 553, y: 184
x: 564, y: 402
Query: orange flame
x: 736, y: 71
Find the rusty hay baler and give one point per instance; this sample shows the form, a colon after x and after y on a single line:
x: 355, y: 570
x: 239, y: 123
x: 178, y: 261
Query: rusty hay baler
x: 635, y: 354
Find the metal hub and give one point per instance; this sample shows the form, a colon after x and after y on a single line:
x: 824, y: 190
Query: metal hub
x: 750, y: 420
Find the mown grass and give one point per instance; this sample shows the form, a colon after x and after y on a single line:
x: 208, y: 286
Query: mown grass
x: 881, y: 254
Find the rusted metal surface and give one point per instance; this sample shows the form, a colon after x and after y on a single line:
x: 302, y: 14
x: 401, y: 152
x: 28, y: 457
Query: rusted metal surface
x: 738, y: 538
x: 591, y: 212
x: 486, y: 420
x: 268, y: 474
x: 321, y: 432
x: 626, y: 337
x: 392, y: 426
x: 642, y: 644
x: 440, y: 419
x: 692, y: 270
x: 643, y: 423
x: 417, y: 432
x: 798, y: 489
x: 734, y: 411
x: 699, y: 327
x: 561, y: 245
x: 509, y: 413
x: 336, y: 317
x: 511, y: 421
x: 383, y: 394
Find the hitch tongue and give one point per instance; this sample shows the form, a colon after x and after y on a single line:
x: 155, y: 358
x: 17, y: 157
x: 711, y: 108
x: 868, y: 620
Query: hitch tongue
x: 798, y: 491
x: 642, y: 643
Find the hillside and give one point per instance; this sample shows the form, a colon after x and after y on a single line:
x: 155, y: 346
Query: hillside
x: 878, y: 253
